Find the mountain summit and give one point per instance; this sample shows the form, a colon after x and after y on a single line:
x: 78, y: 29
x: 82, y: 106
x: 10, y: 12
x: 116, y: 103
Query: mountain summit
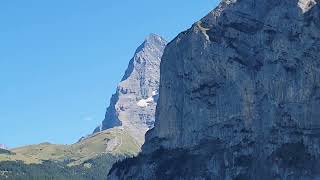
x: 133, y: 105
x: 239, y: 97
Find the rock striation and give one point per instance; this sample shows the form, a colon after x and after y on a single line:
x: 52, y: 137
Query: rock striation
x: 239, y: 97
x: 133, y: 105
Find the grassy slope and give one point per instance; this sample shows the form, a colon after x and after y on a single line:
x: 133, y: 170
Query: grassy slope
x: 114, y: 141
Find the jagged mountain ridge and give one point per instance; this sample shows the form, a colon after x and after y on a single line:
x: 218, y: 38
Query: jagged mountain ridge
x: 239, y: 97
x: 133, y: 105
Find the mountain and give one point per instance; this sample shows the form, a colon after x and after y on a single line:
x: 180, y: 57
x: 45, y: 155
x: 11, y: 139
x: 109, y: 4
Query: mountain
x: 239, y: 97
x: 130, y: 114
x: 133, y: 105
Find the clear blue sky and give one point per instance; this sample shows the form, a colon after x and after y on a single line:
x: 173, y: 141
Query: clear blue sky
x: 60, y: 61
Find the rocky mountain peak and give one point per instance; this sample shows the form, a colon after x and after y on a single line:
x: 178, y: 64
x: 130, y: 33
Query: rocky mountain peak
x: 133, y: 105
x: 148, y: 53
x: 154, y: 40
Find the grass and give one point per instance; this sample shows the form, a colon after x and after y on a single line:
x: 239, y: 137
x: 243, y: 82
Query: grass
x: 115, y: 141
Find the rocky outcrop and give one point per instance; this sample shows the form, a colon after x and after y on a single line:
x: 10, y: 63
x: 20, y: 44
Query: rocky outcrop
x: 239, y: 97
x: 133, y: 105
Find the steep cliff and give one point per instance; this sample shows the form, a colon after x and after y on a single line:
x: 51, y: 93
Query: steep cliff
x: 133, y: 105
x: 239, y: 97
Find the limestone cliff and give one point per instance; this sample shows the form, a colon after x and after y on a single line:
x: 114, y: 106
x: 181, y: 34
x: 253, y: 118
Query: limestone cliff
x: 239, y: 97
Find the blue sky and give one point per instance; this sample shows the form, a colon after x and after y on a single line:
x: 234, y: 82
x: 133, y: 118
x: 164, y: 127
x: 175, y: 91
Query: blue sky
x: 60, y: 61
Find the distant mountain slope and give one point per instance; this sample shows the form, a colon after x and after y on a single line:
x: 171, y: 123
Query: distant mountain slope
x: 115, y: 142
x: 91, y: 158
x: 4, y: 151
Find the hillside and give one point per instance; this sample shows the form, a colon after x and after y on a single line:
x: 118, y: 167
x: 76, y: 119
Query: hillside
x: 90, y: 158
x: 94, y: 169
x: 4, y: 151
x: 114, y: 141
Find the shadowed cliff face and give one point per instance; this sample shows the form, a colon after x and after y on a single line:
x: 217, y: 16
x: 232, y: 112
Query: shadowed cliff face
x: 239, y: 97
x: 133, y: 105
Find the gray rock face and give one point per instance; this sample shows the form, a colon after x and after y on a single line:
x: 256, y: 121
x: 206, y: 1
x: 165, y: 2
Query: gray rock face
x: 133, y: 105
x: 239, y: 97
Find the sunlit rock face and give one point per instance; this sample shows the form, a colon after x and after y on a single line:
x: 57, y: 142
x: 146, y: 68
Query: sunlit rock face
x: 133, y: 105
x: 239, y: 97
